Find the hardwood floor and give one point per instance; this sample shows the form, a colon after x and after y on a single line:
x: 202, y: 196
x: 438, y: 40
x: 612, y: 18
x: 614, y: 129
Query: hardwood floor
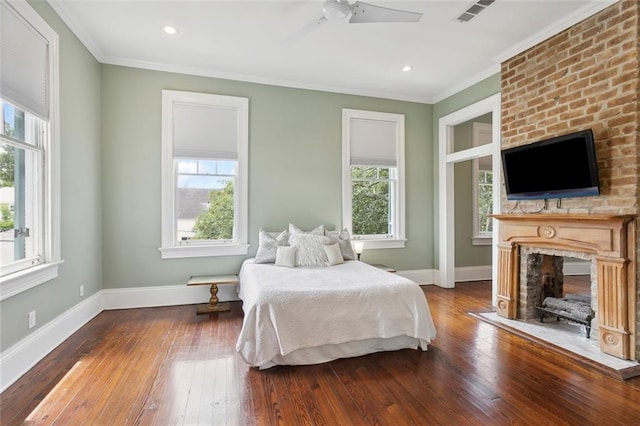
x: 169, y: 366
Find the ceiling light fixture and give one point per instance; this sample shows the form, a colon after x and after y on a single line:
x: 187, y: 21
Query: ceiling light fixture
x: 407, y: 68
x: 170, y: 30
x: 336, y: 9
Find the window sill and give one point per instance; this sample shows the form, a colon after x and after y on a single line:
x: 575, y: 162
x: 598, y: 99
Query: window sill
x: 481, y: 241
x: 383, y: 243
x: 18, y: 282
x: 203, y: 251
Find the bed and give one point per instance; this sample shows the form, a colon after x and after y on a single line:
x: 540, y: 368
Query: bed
x: 302, y: 316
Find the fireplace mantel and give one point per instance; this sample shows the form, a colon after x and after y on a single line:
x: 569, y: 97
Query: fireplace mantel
x: 611, y: 241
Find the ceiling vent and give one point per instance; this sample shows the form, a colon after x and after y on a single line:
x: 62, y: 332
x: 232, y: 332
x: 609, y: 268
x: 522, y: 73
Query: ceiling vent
x: 474, y: 9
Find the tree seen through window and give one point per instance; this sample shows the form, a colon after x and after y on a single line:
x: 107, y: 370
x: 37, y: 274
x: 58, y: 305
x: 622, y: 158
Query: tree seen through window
x: 216, y: 223
x: 371, y: 189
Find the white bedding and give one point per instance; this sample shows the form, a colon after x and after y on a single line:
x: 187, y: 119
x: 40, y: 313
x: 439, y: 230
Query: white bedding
x: 312, y: 315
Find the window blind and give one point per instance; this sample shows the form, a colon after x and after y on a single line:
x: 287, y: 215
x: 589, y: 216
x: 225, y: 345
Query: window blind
x: 373, y: 143
x: 205, y: 131
x: 23, y: 64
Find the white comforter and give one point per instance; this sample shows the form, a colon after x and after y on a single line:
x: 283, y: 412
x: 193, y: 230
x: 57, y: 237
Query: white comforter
x: 288, y: 310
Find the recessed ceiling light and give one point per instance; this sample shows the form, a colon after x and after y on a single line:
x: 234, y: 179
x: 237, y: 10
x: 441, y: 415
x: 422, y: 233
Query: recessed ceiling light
x: 170, y: 30
x: 407, y: 68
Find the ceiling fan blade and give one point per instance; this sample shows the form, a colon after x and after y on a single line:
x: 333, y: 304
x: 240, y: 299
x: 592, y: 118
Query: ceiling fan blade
x: 365, y: 13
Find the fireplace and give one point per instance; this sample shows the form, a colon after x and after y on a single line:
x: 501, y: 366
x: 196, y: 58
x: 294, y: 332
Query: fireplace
x: 608, y: 241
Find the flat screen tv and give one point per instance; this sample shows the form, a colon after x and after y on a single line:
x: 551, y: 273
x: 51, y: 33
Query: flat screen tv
x: 560, y: 167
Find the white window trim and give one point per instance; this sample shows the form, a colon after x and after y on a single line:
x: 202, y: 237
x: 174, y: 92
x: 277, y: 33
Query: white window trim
x: 169, y: 249
x: 478, y: 239
x: 399, y: 239
x: 18, y: 282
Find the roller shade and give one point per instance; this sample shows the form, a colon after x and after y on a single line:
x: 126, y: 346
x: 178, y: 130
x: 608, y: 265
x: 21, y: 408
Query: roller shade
x: 373, y: 142
x: 23, y: 64
x: 205, y: 131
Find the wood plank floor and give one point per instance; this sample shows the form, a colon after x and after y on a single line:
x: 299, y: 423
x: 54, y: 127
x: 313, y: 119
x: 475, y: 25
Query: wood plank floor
x: 169, y: 366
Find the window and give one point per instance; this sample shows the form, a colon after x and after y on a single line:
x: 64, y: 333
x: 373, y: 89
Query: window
x: 29, y: 158
x: 373, y: 177
x: 482, y: 185
x: 483, y: 201
x: 204, y: 181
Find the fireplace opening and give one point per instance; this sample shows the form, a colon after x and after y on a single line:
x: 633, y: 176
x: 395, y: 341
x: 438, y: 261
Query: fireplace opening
x: 544, y: 296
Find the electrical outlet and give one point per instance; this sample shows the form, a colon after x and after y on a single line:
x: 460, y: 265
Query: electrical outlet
x: 81, y: 290
x: 32, y: 319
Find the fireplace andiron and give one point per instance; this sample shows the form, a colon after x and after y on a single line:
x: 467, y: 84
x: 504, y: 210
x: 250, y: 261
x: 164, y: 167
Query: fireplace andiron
x: 573, y: 308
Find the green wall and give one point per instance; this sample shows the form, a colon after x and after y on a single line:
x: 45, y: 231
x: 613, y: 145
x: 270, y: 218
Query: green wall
x: 294, y: 171
x: 80, y: 192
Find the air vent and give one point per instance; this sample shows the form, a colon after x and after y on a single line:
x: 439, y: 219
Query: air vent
x: 474, y: 9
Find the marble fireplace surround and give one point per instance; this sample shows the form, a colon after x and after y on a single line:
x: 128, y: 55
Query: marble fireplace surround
x: 610, y: 242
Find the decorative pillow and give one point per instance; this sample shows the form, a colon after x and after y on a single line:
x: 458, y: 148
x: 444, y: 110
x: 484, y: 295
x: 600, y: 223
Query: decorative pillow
x: 268, y: 245
x: 294, y: 231
x: 343, y: 238
x: 310, y: 251
x: 286, y: 256
x: 333, y: 253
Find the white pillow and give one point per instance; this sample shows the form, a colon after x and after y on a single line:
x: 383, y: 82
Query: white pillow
x: 310, y: 251
x: 294, y: 231
x: 268, y: 244
x: 286, y: 256
x: 343, y: 238
x: 333, y: 253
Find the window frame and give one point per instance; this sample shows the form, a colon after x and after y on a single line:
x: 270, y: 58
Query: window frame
x: 397, y: 239
x: 479, y: 130
x: 49, y: 180
x: 170, y: 248
x: 33, y: 159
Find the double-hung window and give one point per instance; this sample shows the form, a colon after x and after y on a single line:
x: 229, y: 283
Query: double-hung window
x: 205, y: 145
x: 373, y: 177
x: 29, y: 158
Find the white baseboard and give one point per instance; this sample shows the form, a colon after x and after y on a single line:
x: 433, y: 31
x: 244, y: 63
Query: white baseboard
x: 472, y: 273
x: 147, y: 297
x: 421, y: 276
x: 19, y: 358
x: 576, y: 268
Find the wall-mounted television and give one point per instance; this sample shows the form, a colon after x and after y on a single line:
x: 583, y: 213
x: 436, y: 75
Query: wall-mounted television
x: 559, y: 167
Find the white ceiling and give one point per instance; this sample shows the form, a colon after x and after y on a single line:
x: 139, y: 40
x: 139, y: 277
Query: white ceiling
x: 279, y: 42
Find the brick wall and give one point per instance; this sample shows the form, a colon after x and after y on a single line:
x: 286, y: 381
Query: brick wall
x: 585, y: 77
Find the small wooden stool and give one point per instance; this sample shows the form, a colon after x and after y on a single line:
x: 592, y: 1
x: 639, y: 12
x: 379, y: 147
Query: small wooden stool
x: 214, y: 281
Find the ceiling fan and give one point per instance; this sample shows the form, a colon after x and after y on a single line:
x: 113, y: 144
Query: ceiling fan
x: 358, y: 12
x: 361, y: 12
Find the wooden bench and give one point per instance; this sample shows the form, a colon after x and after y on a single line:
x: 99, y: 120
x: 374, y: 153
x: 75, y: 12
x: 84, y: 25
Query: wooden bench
x: 214, y: 281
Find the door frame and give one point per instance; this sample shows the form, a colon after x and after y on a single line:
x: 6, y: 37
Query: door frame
x: 446, y: 162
